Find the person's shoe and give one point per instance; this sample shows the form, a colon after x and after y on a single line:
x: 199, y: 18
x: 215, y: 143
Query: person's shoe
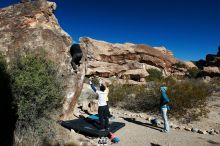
x: 164, y: 131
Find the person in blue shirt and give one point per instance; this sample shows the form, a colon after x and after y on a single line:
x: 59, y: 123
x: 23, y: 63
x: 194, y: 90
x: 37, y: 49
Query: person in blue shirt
x: 164, y: 100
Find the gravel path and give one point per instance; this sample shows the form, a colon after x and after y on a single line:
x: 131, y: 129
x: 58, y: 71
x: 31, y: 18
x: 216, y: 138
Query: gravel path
x: 138, y: 133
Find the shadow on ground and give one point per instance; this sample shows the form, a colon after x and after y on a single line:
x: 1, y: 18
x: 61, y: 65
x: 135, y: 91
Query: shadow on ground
x: 132, y: 120
x: 152, y: 144
x: 213, y: 142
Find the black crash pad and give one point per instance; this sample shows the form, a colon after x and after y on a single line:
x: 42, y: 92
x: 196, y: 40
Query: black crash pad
x: 89, y: 127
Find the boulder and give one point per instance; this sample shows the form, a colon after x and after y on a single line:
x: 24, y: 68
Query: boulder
x: 190, y: 64
x: 195, y: 130
x: 187, y: 129
x: 211, y: 71
x: 213, y: 60
x: 124, y: 60
x: 30, y: 27
x: 206, y: 79
x: 202, y: 132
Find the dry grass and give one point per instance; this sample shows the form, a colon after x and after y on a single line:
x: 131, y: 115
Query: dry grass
x: 187, y: 99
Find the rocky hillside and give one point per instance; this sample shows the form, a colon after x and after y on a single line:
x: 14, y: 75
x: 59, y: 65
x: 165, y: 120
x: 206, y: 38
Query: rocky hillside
x: 31, y: 26
x: 125, y: 60
x: 211, y: 65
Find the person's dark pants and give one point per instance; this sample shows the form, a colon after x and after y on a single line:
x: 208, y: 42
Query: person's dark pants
x: 103, y: 115
x: 108, y: 112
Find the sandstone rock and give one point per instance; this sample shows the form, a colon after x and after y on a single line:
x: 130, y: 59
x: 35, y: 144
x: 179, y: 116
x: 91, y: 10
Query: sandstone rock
x: 213, y: 60
x: 85, y: 105
x: 211, y: 71
x: 211, y: 132
x: 90, y: 106
x: 190, y: 64
x: 72, y: 131
x: 161, y: 122
x: 166, y: 52
x: 187, y: 129
x: 206, y: 79
x: 195, y: 130
x: 93, y: 106
x: 210, y: 66
x: 123, y: 60
x: 30, y: 27
x: 202, y: 132
x: 173, y: 126
x: 149, y: 118
x: 180, y: 127
x: 217, y: 131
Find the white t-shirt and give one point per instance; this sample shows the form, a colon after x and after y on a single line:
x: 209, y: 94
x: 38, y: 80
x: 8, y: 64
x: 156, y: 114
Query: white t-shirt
x: 102, y: 98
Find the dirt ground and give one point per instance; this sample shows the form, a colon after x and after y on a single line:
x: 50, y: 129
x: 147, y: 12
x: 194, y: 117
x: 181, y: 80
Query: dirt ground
x: 138, y: 132
x: 142, y: 135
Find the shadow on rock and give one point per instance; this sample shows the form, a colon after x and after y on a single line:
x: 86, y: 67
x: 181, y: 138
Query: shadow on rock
x: 8, y: 118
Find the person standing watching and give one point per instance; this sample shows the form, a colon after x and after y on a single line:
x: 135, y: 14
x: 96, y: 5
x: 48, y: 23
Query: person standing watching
x: 164, y: 100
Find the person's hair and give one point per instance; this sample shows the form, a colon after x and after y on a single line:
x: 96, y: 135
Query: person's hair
x: 102, y: 87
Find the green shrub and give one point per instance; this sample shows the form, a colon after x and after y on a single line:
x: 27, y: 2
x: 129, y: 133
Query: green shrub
x: 193, y: 72
x: 154, y: 75
x: 179, y: 65
x: 37, y: 93
x: 187, y: 99
x: 215, y: 81
x: 94, y: 79
x: 137, y: 98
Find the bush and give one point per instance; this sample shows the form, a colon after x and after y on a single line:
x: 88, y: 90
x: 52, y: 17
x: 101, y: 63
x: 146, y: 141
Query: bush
x: 215, y: 81
x: 187, y: 98
x: 37, y: 93
x: 193, y: 72
x: 140, y: 98
x: 154, y: 75
x: 179, y: 65
x: 94, y: 79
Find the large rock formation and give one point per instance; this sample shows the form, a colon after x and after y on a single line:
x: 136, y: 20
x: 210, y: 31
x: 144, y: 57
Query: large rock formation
x: 31, y: 27
x: 211, y: 65
x: 124, y: 60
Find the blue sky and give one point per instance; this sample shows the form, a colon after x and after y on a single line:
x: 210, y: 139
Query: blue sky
x: 189, y: 28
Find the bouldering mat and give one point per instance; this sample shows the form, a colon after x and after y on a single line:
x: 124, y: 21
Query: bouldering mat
x: 90, y: 126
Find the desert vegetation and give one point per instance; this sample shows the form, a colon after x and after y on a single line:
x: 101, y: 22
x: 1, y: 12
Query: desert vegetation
x: 188, y: 101
x: 37, y: 99
x: 37, y: 95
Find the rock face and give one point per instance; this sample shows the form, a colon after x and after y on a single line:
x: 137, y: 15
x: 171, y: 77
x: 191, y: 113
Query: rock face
x: 124, y: 60
x: 213, y: 60
x: 31, y: 27
x: 210, y: 66
x: 211, y: 71
x: 190, y: 64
